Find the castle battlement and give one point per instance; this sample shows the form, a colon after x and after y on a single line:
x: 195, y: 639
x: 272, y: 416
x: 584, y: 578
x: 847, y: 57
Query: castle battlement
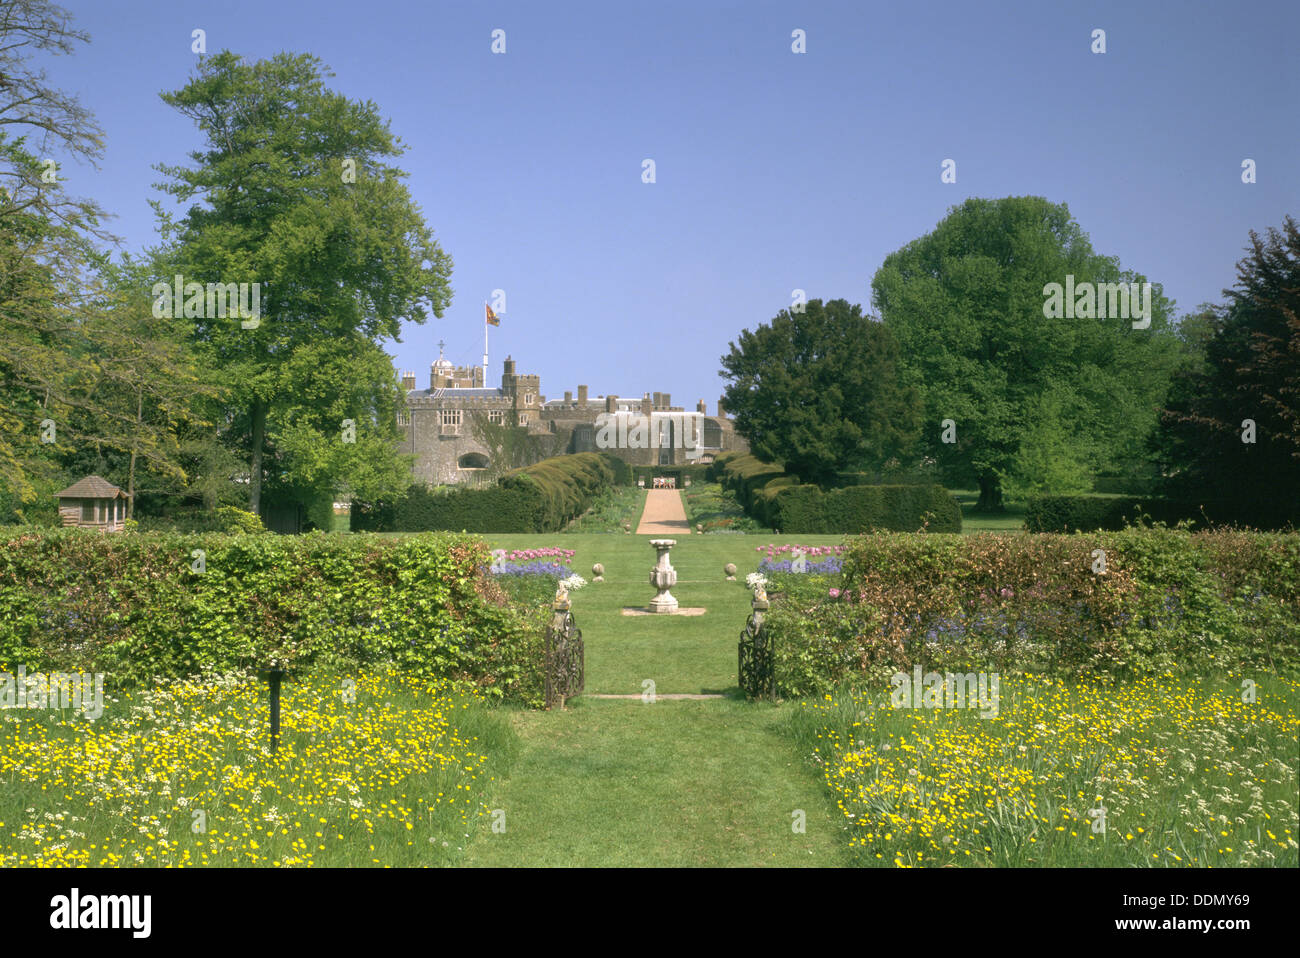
x: 440, y: 428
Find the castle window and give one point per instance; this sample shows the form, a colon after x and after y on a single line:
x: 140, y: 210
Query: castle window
x: 497, y: 416
x: 528, y: 399
x: 523, y: 419
x: 451, y: 417
x: 404, y: 417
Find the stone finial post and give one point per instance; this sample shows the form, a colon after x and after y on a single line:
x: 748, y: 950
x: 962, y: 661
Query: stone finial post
x: 597, y: 573
x: 730, y: 570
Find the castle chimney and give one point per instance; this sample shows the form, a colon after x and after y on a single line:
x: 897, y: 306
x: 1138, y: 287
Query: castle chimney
x: 582, y: 395
x: 701, y: 408
x: 722, y: 411
x: 658, y: 400
x: 408, y: 382
x: 611, y: 404
x: 509, y: 367
x: 668, y: 400
x: 646, y: 408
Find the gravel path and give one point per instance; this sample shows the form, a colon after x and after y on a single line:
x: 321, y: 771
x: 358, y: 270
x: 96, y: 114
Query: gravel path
x: 664, y: 514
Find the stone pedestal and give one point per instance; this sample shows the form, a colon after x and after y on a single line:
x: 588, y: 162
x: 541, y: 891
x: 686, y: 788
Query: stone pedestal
x: 663, y: 577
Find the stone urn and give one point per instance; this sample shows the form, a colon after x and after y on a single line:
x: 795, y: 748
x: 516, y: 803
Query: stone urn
x: 730, y: 570
x: 663, y: 577
x: 598, y: 573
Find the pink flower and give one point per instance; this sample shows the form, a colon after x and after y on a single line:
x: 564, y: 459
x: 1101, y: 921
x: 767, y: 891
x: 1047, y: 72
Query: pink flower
x: 835, y: 593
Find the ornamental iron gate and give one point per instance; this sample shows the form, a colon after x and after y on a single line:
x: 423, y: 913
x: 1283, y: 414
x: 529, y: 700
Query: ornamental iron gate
x: 757, y: 669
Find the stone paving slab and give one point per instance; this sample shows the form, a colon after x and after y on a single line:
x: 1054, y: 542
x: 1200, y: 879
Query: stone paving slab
x: 637, y: 610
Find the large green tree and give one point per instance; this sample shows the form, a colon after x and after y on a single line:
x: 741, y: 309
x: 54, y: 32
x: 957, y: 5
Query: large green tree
x: 48, y: 254
x: 966, y: 303
x: 335, y: 426
x: 1250, y: 370
x: 294, y: 190
x: 137, y: 386
x: 818, y: 390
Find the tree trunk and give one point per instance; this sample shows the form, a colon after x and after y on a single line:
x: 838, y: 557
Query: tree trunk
x: 135, y: 441
x: 990, y: 495
x: 255, y: 472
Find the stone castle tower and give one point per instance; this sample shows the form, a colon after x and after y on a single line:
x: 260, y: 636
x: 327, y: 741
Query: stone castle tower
x: 443, y: 425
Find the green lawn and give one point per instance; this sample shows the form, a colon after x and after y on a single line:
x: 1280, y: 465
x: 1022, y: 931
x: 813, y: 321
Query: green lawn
x: 680, y: 653
x: 625, y: 782
x: 1012, y: 520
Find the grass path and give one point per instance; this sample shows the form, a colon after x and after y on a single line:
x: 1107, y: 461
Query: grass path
x: 630, y: 783
x: 684, y: 783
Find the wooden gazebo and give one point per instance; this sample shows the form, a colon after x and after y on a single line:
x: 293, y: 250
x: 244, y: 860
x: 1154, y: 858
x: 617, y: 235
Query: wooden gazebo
x: 93, y: 503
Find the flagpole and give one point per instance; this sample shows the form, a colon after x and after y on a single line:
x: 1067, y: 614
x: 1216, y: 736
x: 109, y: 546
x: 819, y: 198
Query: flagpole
x: 485, y: 347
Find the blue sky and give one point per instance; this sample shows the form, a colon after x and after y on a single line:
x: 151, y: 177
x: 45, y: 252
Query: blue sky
x: 775, y: 170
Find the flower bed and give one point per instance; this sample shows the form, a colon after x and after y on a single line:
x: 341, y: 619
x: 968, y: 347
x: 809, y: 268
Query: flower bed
x: 374, y: 769
x: 552, y: 553
x: 1065, y: 774
x: 553, y: 570
x: 831, y: 565
x: 772, y: 551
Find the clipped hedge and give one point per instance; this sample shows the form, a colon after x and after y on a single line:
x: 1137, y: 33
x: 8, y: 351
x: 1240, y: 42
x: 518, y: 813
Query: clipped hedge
x: 514, y: 507
x: 744, y: 475
x: 854, y: 509
x: 542, y: 497
x: 1205, y: 603
x: 1083, y: 513
x: 133, y: 607
x: 621, y: 470
x: 779, y: 501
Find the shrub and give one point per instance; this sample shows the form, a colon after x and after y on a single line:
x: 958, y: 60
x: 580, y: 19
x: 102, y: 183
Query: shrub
x: 539, y: 498
x: 781, y: 502
x: 854, y: 509
x: 744, y: 475
x: 1168, y: 600
x: 1090, y: 512
x: 235, y: 520
x: 621, y: 470
x: 134, y: 607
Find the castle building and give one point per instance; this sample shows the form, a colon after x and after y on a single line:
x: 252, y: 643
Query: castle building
x: 448, y: 427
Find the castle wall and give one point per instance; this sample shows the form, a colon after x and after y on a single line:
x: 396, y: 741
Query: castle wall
x: 440, y: 448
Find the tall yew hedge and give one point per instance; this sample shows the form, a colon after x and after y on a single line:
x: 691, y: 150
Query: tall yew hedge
x: 542, y: 497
